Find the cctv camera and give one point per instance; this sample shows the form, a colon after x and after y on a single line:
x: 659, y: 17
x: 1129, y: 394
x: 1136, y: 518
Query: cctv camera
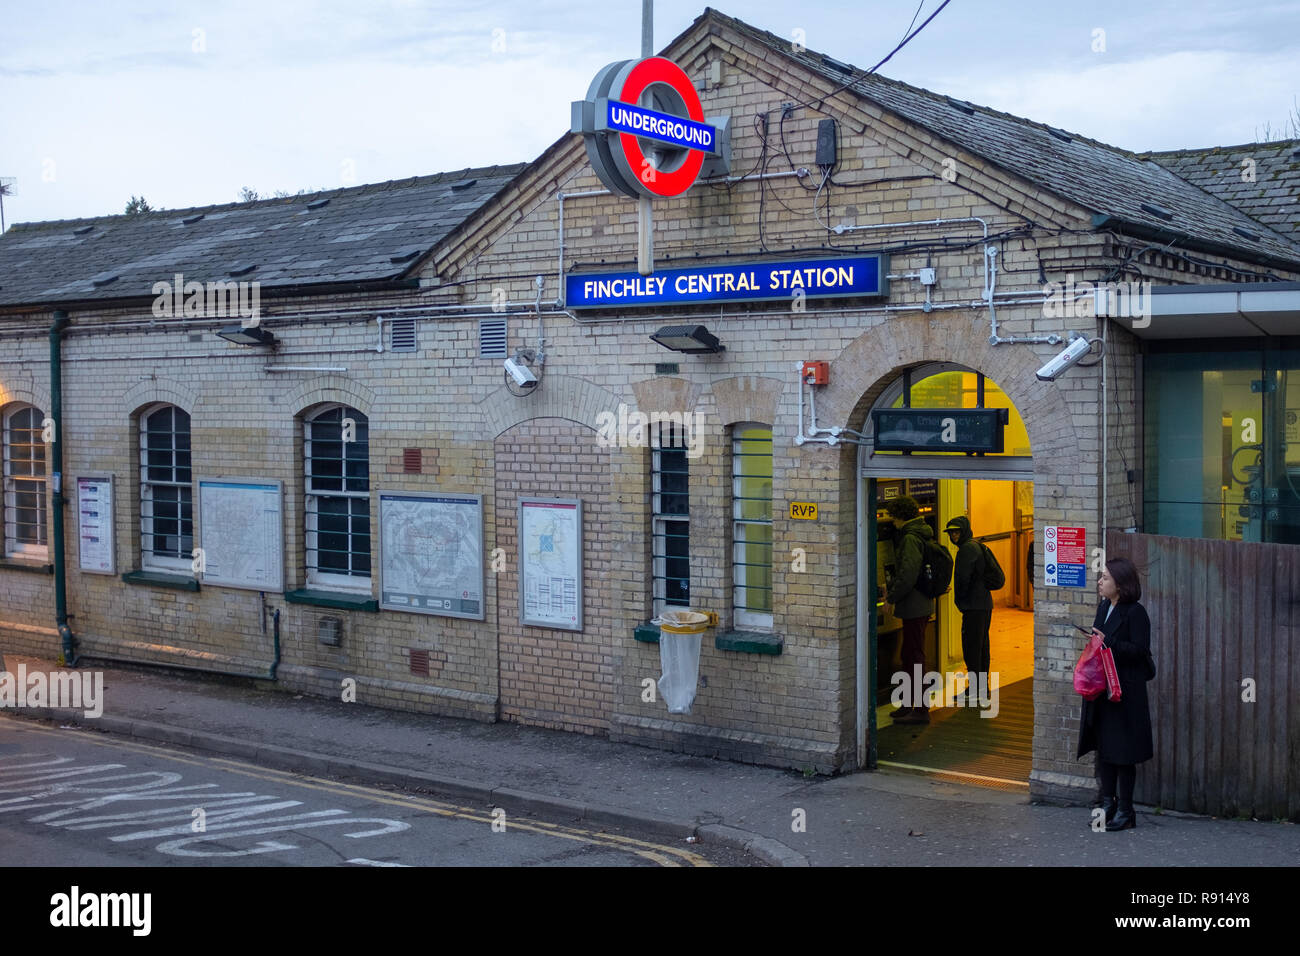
x: 521, y: 373
x: 1077, y: 350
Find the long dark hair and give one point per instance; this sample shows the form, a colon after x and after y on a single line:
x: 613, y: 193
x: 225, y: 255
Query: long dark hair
x: 1125, y: 576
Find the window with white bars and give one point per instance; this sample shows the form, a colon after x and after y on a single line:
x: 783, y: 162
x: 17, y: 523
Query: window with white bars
x: 670, y: 517
x: 166, y: 490
x: 492, y: 338
x: 752, y: 524
x: 402, y: 335
x: 26, y: 534
x: 336, y: 456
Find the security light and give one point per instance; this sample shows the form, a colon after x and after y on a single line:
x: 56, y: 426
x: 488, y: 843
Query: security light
x: 691, y: 339
x: 250, y: 336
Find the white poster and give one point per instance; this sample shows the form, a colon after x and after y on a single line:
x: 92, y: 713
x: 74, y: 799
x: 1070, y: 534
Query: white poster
x: 550, y: 562
x: 242, y: 533
x: 95, y: 524
x: 431, y: 548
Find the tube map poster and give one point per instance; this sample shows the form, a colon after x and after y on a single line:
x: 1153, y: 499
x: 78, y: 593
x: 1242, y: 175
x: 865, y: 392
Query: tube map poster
x: 431, y: 548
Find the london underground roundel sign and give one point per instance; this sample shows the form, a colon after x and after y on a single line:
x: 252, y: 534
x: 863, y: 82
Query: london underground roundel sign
x: 644, y: 128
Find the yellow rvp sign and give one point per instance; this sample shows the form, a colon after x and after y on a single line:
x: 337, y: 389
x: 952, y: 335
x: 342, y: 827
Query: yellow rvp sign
x: 807, y: 510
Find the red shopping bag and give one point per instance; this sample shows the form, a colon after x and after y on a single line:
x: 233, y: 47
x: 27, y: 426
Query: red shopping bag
x: 1112, y: 675
x: 1090, y: 672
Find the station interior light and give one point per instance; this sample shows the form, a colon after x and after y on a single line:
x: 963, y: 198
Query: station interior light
x: 250, y: 336
x: 688, y: 338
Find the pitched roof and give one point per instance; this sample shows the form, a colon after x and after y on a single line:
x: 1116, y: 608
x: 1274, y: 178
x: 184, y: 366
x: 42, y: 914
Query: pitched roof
x: 1268, y: 191
x: 1114, y: 184
x: 357, y: 234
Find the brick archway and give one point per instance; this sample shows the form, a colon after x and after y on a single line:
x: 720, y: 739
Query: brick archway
x: 549, y: 677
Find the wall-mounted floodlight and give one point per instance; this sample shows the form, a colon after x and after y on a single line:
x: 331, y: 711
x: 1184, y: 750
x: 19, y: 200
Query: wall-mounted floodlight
x: 688, y: 338
x: 255, y: 335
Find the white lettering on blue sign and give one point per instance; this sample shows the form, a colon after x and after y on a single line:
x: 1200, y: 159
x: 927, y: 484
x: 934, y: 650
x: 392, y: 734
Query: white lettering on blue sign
x: 856, y: 276
x: 660, y: 126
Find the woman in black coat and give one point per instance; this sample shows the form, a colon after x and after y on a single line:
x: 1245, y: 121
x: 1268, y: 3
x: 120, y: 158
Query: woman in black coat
x: 1120, y: 731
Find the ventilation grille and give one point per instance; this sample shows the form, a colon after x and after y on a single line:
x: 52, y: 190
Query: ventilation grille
x: 419, y: 662
x: 402, y: 333
x: 329, y: 631
x: 412, y: 461
x: 492, y: 338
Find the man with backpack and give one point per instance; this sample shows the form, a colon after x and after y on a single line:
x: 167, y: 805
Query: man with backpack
x: 976, y: 576
x: 921, y: 568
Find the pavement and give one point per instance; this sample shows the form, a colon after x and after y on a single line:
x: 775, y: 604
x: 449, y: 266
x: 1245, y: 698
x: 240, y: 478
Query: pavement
x: 888, y: 817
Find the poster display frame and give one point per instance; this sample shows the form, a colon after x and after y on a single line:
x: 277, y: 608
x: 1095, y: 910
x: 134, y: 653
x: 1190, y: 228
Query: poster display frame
x: 110, y: 526
x: 383, y: 559
x: 201, y: 525
x: 526, y: 503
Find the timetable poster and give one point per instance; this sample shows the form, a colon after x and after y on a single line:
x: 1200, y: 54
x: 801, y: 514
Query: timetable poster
x: 95, y: 524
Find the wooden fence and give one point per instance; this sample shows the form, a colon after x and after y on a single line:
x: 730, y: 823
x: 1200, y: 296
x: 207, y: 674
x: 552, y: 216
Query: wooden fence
x: 1225, y: 704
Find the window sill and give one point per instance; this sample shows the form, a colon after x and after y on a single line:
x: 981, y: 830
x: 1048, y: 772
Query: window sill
x: 744, y: 642
x: 31, y: 567
x: 335, y: 599
x: 749, y: 642
x: 160, y: 579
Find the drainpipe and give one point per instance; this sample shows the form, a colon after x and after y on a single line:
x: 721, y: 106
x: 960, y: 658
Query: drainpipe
x: 56, y: 469
x: 275, y: 664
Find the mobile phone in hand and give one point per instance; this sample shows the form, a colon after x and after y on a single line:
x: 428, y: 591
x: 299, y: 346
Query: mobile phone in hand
x: 1084, y: 630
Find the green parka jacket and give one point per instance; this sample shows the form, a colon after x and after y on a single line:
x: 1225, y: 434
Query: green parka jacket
x: 908, y: 553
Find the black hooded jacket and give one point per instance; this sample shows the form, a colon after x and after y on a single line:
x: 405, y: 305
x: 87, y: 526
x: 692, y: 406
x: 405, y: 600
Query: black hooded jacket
x: 968, y: 590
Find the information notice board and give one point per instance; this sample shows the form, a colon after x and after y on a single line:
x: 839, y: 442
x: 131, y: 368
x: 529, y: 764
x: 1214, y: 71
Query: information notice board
x: 431, y: 553
x: 550, y: 562
x: 95, y: 523
x: 241, y: 525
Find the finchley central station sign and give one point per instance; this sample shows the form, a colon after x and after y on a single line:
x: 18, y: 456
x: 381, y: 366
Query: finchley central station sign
x: 749, y: 282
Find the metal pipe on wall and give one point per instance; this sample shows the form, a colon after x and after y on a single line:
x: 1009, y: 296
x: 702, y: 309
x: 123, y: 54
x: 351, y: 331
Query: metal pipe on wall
x: 55, y: 452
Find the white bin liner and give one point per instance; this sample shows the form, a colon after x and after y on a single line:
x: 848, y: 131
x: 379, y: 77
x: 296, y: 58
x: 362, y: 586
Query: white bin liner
x: 679, y: 658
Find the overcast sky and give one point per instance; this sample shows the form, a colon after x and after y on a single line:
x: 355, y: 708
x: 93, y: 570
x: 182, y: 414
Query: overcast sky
x: 185, y: 102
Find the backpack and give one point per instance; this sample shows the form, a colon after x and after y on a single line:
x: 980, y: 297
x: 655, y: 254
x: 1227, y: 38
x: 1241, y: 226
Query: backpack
x: 936, y: 569
x: 994, y: 577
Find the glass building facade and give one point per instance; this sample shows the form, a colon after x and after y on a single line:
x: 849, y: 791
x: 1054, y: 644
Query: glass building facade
x: 1222, y: 439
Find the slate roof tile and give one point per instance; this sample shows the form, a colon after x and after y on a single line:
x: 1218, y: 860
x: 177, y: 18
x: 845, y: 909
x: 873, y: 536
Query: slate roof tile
x: 1262, y: 179
x: 1103, y: 179
x: 352, y: 238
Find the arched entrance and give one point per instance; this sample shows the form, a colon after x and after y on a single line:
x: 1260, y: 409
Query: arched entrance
x: 988, y: 740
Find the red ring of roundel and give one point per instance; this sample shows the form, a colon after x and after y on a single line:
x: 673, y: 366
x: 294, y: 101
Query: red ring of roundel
x: 657, y: 69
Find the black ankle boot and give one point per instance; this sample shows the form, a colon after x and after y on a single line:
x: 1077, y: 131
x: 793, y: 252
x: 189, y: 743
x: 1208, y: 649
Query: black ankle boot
x: 1125, y: 817
x: 1109, y: 805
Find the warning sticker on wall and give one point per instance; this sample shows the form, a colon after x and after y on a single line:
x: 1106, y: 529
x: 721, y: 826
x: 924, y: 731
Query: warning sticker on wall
x: 1064, y: 561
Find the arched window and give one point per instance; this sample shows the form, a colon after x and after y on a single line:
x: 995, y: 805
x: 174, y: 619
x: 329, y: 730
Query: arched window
x: 336, y: 458
x: 670, y: 516
x: 26, y: 534
x: 751, y: 454
x: 166, y: 489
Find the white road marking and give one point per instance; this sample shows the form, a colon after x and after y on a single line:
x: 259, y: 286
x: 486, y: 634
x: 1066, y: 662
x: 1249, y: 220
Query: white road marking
x: 75, y: 797
x: 361, y: 861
